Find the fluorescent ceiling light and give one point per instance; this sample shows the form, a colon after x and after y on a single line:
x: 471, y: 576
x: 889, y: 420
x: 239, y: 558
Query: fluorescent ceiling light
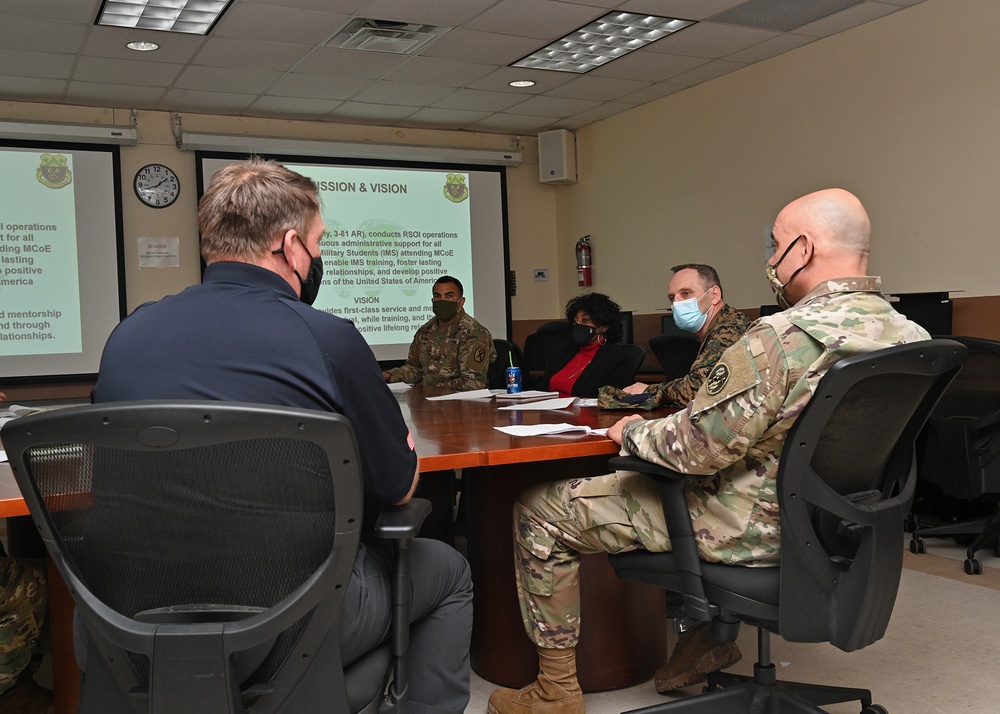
x: 195, y: 17
x: 610, y: 37
x: 520, y: 83
x: 143, y: 46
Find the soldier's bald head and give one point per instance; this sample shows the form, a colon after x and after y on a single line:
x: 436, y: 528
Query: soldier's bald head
x: 833, y: 217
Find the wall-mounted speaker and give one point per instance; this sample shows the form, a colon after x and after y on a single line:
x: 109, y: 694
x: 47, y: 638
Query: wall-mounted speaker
x: 557, y: 156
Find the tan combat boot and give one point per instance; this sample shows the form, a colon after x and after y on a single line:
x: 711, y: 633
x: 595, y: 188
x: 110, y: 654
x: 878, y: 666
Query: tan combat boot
x: 556, y: 690
x: 695, y: 656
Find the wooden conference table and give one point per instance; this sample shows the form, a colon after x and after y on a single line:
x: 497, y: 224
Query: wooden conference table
x: 624, y: 630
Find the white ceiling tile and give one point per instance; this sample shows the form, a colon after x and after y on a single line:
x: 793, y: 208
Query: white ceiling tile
x: 237, y: 54
x: 477, y: 100
x: 846, y: 19
x: 542, y: 19
x: 99, y: 93
x: 707, y: 72
x: 434, y: 70
x: 711, y: 40
x: 137, y: 73
x: 232, y: 80
x: 363, y: 113
x: 269, y: 58
x: 404, y: 94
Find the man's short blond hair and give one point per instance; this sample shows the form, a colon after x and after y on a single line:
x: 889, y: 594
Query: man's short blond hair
x: 249, y: 203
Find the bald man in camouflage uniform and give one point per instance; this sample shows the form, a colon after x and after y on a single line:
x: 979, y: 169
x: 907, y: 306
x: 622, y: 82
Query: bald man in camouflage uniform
x: 722, y: 327
x: 731, y: 434
x: 451, y: 350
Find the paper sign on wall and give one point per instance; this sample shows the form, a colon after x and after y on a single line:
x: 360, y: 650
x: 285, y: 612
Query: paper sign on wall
x: 159, y: 253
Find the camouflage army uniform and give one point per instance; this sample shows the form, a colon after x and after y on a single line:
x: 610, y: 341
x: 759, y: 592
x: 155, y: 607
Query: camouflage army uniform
x: 726, y: 327
x: 455, y: 355
x: 732, y: 434
x: 22, y: 611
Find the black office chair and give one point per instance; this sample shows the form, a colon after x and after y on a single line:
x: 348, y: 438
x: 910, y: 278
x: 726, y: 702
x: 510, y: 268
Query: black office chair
x: 534, y: 355
x: 958, y: 466
x: 556, y: 338
x: 508, y: 355
x: 675, y: 353
x: 628, y: 336
x: 207, y: 546
x: 846, y: 479
x: 636, y: 355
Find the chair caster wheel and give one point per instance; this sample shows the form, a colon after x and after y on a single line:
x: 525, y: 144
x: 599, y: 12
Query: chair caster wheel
x: 874, y: 709
x: 917, y: 545
x: 909, y: 523
x: 973, y: 566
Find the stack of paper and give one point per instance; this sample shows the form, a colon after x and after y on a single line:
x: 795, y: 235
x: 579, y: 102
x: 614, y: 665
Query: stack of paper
x: 561, y: 403
x: 502, y: 395
x: 549, y: 429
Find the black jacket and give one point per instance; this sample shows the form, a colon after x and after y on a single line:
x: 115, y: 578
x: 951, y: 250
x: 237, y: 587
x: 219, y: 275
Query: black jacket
x: 609, y: 366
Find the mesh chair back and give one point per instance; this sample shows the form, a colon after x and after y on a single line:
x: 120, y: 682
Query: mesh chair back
x: 960, y: 450
x: 675, y: 353
x: 235, y: 524
x: 846, y: 480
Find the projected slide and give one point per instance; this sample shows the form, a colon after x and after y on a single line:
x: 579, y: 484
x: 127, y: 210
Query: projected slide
x: 39, y: 289
x: 392, y: 230
x: 390, y: 235
x: 60, y: 258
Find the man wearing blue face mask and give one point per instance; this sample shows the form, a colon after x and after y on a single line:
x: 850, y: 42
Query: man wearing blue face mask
x: 451, y: 350
x: 698, y: 308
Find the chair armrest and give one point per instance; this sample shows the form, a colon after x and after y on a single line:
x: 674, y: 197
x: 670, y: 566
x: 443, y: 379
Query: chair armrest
x: 634, y: 463
x: 402, y: 522
x: 679, y: 528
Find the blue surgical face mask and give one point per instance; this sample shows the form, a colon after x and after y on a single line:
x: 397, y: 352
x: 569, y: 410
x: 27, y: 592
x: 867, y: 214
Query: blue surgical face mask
x: 688, y: 316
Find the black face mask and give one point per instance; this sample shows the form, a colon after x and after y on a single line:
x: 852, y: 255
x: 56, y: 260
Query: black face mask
x: 314, y: 278
x: 309, y: 287
x: 582, y: 334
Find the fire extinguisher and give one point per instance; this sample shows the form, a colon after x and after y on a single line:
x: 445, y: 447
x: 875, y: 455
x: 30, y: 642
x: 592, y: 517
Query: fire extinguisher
x: 584, y: 268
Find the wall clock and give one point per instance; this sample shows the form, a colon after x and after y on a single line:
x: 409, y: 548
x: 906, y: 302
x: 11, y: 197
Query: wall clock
x: 156, y: 185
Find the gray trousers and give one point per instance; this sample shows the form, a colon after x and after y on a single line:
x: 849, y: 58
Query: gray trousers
x: 440, y: 617
x: 440, y: 621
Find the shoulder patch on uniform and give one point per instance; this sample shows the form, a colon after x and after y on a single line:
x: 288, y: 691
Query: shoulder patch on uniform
x: 717, y: 378
x: 480, y: 354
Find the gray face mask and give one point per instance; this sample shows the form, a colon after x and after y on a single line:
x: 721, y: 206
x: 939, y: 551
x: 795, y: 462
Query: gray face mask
x: 777, y: 287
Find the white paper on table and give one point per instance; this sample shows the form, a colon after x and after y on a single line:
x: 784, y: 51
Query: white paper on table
x: 545, y: 404
x: 586, y: 401
x: 474, y: 394
x: 397, y: 387
x: 3, y: 456
x: 549, y: 430
x: 528, y: 395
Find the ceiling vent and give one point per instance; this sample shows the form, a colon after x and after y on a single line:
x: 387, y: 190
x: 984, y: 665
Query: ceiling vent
x: 399, y: 38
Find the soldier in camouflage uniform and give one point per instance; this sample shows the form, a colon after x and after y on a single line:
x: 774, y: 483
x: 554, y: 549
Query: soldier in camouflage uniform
x: 452, y: 350
x: 22, y: 611
x: 721, y: 325
x: 731, y: 434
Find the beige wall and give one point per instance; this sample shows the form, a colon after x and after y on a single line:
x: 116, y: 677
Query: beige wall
x: 904, y: 111
x: 530, y: 204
